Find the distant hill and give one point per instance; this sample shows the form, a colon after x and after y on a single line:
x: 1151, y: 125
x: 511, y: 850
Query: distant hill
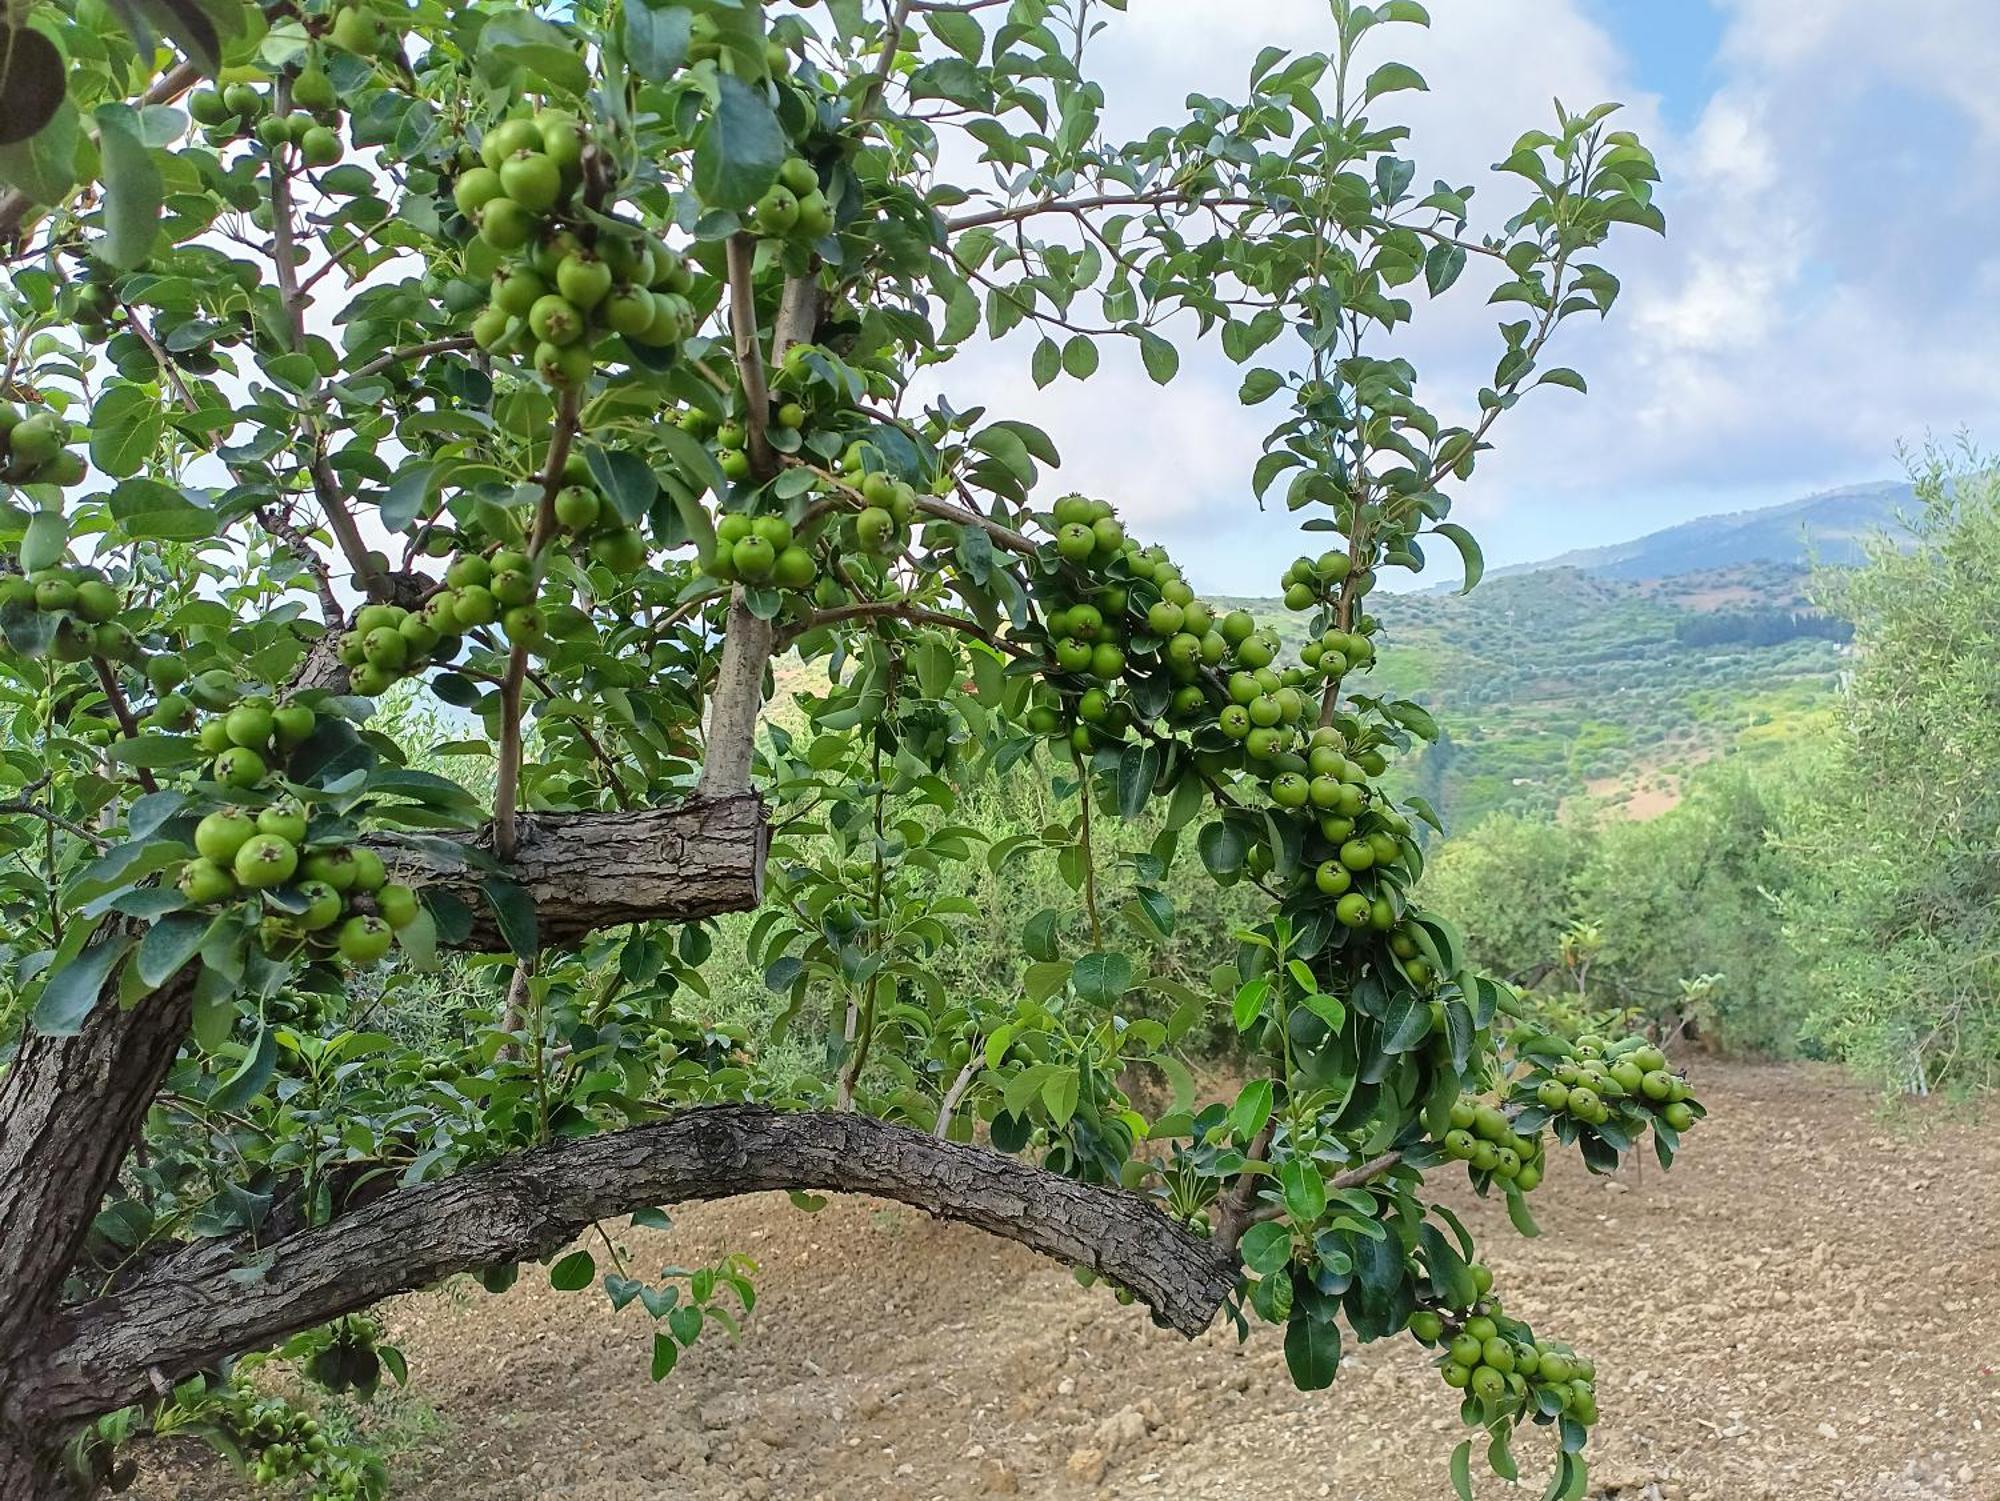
x: 1558, y: 684
x: 1833, y: 526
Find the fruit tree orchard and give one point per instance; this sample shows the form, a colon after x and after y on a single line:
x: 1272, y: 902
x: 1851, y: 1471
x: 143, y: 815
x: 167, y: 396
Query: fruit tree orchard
x: 571, y: 365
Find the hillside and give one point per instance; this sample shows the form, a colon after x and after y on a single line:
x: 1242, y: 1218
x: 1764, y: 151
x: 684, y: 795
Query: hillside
x: 1558, y: 684
x: 1832, y: 526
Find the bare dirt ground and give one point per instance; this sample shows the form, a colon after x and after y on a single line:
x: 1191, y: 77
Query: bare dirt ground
x: 1808, y: 1307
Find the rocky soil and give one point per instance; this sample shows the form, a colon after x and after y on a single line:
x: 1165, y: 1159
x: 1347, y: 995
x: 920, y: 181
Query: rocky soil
x: 1808, y: 1307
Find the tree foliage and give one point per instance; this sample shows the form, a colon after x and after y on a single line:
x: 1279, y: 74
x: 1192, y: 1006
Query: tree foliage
x: 562, y: 363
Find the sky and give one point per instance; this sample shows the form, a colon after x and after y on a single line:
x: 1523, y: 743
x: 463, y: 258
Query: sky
x: 1828, y: 290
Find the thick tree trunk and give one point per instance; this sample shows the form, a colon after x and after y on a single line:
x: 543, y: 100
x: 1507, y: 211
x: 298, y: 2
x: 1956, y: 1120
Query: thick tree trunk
x: 215, y: 1300
x: 71, y: 1107
x: 32, y: 1474
x: 590, y: 871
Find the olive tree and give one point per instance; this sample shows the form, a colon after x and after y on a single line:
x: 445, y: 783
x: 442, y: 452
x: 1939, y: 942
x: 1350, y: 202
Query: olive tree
x: 584, y: 368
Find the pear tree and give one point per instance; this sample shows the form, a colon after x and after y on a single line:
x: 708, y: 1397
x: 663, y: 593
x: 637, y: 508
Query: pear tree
x: 484, y: 496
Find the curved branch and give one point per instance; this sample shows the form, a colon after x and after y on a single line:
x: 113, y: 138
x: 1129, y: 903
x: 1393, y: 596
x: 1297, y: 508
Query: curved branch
x: 199, y: 1307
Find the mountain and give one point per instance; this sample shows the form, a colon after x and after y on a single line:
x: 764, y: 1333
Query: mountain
x: 1833, y: 526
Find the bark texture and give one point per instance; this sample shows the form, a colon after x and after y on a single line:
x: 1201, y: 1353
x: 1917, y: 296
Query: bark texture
x: 588, y: 871
x: 204, y: 1304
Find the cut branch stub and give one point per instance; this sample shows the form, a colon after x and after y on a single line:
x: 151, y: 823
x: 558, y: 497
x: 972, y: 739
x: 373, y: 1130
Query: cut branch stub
x: 203, y: 1304
x: 588, y: 871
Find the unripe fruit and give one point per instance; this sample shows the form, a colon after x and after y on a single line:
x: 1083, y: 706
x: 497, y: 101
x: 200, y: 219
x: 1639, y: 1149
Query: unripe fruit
x: 1679, y: 1115
x: 323, y: 906
x: 397, y: 904
x: 221, y: 834
x: 532, y: 180
x: 364, y: 940
x: 504, y: 224
x: 206, y: 881
x: 239, y: 766
x: 584, y: 279
x: 285, y: 821
x: 335, y: 868
x: 369, y: 872
x: 266, y: 860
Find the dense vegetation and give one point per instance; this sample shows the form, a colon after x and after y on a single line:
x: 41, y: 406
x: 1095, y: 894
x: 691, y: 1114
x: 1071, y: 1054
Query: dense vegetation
x: 1780, y: 905
x: 561, y: 365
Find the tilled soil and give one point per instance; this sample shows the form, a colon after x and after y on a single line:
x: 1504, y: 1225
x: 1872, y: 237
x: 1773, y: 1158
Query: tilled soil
x: 1807, y: 1307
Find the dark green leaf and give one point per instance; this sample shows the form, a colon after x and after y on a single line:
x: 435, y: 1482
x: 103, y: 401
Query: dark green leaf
x: 133, y: 189
x: 739, y: 149
x: 574, y: 1272
x: 170, y: 943
x: 1312, y: 1352
x: 32, y: 84
x: 74, y: 987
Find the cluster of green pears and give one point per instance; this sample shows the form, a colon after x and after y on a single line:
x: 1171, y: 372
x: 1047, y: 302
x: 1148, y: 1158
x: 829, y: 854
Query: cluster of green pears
x: 881, y: 526
x: 760, y: 550
x: 793, y: 208
x: 1485, y: 1141
x: 1500, y: 1364
x: 1600, y: 1074
x: 85, y: 605
x: 324, y: 894
x: 573, y: 282
x: 386, y: 643
x: 290, y: 1445
x: 32, y: 450
x: 243, y: 108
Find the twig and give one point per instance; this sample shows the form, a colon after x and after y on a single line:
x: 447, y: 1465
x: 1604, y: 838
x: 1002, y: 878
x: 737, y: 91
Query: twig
x: 749, y: 354
x: 890, y: 609
x: 618, y: 792
x: 949, y: 1105
x: 414, y: 352
x: 123, y: 710
x: 507, y: 787
x: 25, y: 804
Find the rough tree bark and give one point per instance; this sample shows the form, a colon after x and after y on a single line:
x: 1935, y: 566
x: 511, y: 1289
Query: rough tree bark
x: 71, y: 1107
x: 589, y: 871
x: 192, y: 1310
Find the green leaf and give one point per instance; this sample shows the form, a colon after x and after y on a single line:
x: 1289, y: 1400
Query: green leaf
x: 1162, y: 360
x: 1059, y: 1095
x: 1045, y: 364
x: 1461, y: 1470
x: 1391, y: 78
x: 47, y: 536
x: 1565, y: 378
x: 1517, y: 1211
x: 656, y: 43
x: 74, y: 987
x: 1259, y: 385
x: 1251, y: 1110
x: 1312, y: 1352
x: 169, y: 944
x: 1079, y: 357
x: 1304, y: 1189
x: 1102, y: 979
x: 574, y: 1272
x: 1266, y: 1248
x: 665, y: 1354
x: 519, y: 41
x: 250, y: 1076
x: 958, y: 31
x: 125, y: 427
x: 149, y: 510
x: 1468, y: 552
x: 133, y: 189
x: 32, y: 83
x: 514, y: 911
x: 1221, y: 848
x: 1248, y: 1006
x: 1138, y: 768
x: 739, y: 148
x: 44, y: 166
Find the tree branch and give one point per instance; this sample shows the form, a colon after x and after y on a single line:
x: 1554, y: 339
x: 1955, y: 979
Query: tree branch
x: 741, y: 255
x: 507, y: 785
x: 589, y: 871
x: 203, y: 1305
